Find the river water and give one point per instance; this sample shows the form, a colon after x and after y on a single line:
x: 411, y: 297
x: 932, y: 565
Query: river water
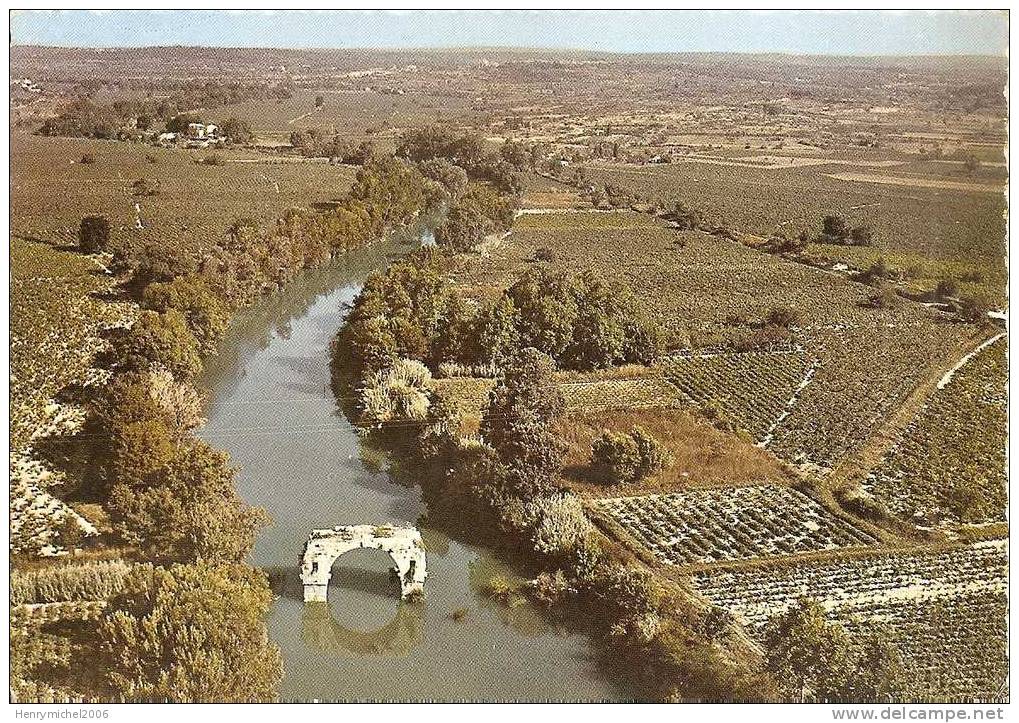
x: 270, y: 405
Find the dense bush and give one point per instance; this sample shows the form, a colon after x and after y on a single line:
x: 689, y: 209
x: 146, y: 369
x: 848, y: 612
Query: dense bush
x: 187, y: 509
x: 628, y: 456
x: 834, y: 230
x: 86, y: 118
x: 237, y: 132
x: 814, y: 657
x: 464, y: 150
x: 478, y: 212
x: 396, y: 393
x: 583, y: 322
x: 206, y: 314
x: 190, y: 633
x: 160, y: 339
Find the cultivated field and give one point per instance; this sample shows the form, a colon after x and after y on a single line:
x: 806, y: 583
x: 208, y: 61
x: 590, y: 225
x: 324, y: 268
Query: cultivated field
x: 735, y: 523
x: 51, y: 190
x: 945, y: 609
x: 921, y: 228
x: 949, y: 465
x: 815, y: 400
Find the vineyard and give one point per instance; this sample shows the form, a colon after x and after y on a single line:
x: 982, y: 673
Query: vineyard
x: 51, y: 190
x: 944, y: 609
x: 814, y: 400
x: 737, y: 523
x: 926, y: 228
x: 752, y: 389
x: 640, y: 393
x: 950, y: 465
x: 863, y: 373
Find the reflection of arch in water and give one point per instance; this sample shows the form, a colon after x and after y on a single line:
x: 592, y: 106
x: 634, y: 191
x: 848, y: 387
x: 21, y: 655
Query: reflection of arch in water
x: 320, y: 630
x: 324, y: 546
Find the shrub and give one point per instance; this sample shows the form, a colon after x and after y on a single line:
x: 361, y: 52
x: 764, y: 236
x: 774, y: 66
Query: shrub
x: 396, y: 393
x: 561, y: 525
x: 145, y: 187
x: 973, y: 309
x: 94, y: 234
x: 783, y: 316
x: 544, y: 253
x: 862, y: 236
x: 88, y: 158
x: 947, y: 288
x: 886, y: 297
x: 628, y: 457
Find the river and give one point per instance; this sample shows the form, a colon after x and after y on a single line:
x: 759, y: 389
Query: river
x: 270, y: 405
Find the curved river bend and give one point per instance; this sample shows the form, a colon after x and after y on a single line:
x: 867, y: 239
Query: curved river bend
x: 271, y: 407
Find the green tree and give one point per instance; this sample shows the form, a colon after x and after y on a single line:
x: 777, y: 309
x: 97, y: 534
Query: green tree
x: 834, y: 229
x: 628, y: 457
x: 516, y: 154
x: 179, y: 123
x: 189, y: 634
x: 809, y: 653
x: 162, y: 339
x: 520, y: 423
x: 94, y: 234
x: 496, y: 329
x: 137, y: 449
x: 188, y: 510
x: 879, y: 674
x: 205, y: 313
x: 237, y: 132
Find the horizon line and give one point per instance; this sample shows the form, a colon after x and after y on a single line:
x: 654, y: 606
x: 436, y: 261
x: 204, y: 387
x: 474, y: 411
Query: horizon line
x: 516, y: 48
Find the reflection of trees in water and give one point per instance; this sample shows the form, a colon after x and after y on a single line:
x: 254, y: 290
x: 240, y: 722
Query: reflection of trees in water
x: 320, y: 630
x: 252, y: 329
x: 513, y: 608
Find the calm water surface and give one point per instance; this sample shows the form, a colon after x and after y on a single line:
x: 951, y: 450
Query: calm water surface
x: 271, y: 407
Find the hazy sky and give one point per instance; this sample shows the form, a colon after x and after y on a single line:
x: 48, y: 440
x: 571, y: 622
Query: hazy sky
x: 858, y: 33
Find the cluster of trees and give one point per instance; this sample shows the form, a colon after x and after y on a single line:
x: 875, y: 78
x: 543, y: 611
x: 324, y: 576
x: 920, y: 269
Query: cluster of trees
x: 320, y: 143
x: 509, y: 486
x: 815, y: 658
x: 237, y: 131
x: 250, y: 259
x: 167, y: 493
x: 466, y: 150
x: 582, y: 320
x: 410, y: 311
x: 84, y: 118
x: 193, y: 628
x: 835, y: 230
x: 476, y: 212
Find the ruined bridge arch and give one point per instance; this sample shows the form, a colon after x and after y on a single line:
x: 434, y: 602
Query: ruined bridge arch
x: 324, y: 546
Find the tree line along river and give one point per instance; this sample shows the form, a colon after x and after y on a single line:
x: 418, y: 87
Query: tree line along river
x: 272, y: 408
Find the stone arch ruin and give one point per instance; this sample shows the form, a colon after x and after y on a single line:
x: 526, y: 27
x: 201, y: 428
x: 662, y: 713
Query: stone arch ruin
x: 324, y: 546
